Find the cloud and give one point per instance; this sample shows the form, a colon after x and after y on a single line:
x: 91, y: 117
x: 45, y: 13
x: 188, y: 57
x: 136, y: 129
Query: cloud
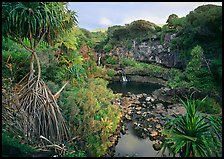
x: 93, y: 15
x: 105, y: 21
x: 140, y: 13
x: 186, y: 4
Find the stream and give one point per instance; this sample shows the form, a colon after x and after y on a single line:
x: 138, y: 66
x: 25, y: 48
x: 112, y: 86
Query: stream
x: 130, y: 144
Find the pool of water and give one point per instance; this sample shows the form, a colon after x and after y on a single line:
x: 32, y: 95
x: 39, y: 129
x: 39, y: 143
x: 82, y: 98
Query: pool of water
x: 133, y: 146
x: 130, y: 144
x: 133, y: 87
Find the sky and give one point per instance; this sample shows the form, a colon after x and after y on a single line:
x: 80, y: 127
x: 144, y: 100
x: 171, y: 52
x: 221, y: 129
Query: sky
x: 93, y: 15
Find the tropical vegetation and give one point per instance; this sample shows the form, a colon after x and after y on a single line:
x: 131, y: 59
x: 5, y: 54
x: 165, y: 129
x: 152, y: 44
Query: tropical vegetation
x: 194, y: 134
x: 54, y: 91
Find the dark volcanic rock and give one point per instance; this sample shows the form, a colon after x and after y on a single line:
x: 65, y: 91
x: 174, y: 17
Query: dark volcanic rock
x: 151, y: 50
x: 157, y: 146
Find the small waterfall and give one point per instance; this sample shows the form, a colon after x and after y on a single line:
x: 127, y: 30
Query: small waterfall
x: 124, y: 79
x: 99, y: 60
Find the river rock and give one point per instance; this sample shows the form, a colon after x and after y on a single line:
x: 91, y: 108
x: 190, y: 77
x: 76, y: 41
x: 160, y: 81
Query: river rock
x: 149, y: 99
x: 127, y: 117
x: 150, y: 126
x: 144, y: 94
x: 138, y: 108
x: 157, y: 146
x: 159, y: 106
x: 154, y: 133
x: 143, y: 135
x: 123, y: 129
x: 139, y: 95
x: 149, y: 129
x: 158, y: 126
x: 145, y: 129
x: 144, y: 114
x: 138, y: 112
x: 165, y: 89
x: 135, y: 123
x: 143, y: 105
x: 129, y: 112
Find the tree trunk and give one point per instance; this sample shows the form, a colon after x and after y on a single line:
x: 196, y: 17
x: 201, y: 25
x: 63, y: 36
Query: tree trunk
x: 38, y: 65
x: 31, y: 67
x: 58, y: 93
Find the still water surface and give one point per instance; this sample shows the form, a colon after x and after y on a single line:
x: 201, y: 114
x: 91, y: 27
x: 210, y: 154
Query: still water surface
x: 130, y: 144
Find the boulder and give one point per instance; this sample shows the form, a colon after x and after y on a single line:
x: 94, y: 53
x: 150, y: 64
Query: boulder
x: 150, y: 99
x: 157, y: 146
x: 123, y: 129
x: 154, y: 133
x: 159, y: 106
x: 143, y: 105
x: 128, y: 117
x: 158, y: 126
x: 138, y: 112
x: 138, y: 108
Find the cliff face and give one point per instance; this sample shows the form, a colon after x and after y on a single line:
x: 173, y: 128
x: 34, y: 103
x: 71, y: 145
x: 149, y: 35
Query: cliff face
x: 150, y: 51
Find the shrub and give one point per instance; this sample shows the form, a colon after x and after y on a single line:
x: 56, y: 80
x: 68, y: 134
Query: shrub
x: 91, y: 114
x: 127, y: 62
x: 209, y: 105
x: 11, y: 140
x: 111, y: 72
x: 193, y: 134
x: 111, y: 60
x: 108, y: 47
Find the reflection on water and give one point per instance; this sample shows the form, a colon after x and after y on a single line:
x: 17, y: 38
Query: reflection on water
x: 133, y: 87
x: 129, y: 144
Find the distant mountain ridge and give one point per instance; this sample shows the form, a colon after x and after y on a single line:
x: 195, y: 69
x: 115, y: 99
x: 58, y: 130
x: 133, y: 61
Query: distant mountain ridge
x: 105, y: 29
x: 100, y: 29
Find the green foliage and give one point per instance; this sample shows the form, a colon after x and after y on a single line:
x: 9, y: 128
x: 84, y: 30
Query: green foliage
x: 158, y: 29
x: 127, y: 62
x: 11, y: 140
x: 216, y: 66
x: 73, y: 151
x: 111, y: 72
x: 209, y: 105
x: 111, y: 60
x: 170, y: 19
x: 202, y: 27
x: 196, y: 75
x: 195, y: 64
x: 193, y: 134
x: 67, y: 40
x: 149, y: 69
x: 108, y: 47
x: 178, y: 80
x: 31, y: 20
x: 141, y: 27
x: 122, y: 35
x: 91, y: 115
x: 15, y: 61
x: 99, y: 40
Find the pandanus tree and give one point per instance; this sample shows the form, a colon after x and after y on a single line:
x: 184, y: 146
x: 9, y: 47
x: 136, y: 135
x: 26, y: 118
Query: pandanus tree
x: 37, y: 22
x: 194, y: 134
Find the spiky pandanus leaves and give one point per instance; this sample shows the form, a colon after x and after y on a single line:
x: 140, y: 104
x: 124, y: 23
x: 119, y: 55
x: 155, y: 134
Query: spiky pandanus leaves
x: 193, y: 134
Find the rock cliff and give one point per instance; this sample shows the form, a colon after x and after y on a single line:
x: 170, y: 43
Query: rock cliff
x: 150, y: 50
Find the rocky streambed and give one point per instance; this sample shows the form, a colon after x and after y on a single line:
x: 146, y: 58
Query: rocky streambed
x: 140, y: 130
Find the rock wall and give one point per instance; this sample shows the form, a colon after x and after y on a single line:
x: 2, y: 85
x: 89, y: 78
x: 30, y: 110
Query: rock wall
x: 150, y: 51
